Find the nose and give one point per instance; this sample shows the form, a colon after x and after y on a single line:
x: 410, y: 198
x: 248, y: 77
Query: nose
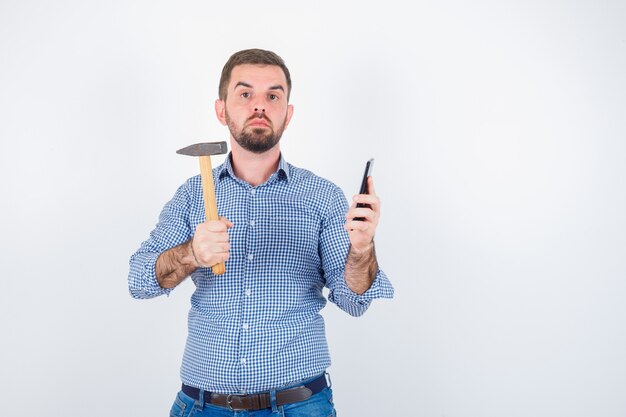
x: 259, y: 109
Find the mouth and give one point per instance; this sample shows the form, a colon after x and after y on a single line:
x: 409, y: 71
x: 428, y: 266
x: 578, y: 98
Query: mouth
x: 258, y: 123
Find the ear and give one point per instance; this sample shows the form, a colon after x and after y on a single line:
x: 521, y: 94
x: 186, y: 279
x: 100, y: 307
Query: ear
x: 220, y: 111
x: 289, y: 114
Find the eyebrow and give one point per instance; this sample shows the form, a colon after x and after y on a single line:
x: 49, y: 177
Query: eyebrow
x: 273, y: 87
x: 242, y: 84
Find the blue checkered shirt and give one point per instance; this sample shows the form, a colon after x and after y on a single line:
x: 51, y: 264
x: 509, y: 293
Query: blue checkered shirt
x: 258, y: 326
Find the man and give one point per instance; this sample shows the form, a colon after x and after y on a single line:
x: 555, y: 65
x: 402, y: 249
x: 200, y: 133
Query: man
x: 256, y: 340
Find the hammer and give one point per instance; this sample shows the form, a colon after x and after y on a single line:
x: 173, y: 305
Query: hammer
x: 204, y: 151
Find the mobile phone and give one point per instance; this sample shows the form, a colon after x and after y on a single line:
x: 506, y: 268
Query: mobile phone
x: 369, y: 166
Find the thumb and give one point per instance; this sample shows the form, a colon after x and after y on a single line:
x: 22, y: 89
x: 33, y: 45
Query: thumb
x: 227, y: 222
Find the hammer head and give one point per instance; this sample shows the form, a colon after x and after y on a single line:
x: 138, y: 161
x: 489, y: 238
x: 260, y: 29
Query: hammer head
x: 204, y: 149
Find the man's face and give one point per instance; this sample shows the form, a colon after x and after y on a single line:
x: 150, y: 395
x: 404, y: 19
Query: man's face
x: 256, y: 109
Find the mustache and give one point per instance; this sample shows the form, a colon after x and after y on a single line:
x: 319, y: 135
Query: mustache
x: 260, y: 115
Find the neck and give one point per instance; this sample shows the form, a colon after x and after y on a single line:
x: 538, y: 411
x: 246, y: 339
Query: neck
x: 252, y: 167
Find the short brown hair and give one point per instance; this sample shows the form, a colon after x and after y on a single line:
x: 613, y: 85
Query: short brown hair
x: 254, y: 57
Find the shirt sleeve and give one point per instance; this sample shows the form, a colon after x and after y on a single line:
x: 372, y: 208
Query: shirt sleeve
x: 172, y: 229
x: 334, y: 246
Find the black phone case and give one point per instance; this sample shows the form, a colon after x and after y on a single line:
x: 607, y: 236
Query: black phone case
x: 368, y: 171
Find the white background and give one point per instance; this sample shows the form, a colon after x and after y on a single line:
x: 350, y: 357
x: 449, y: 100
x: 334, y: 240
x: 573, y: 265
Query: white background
x: 498, y: 129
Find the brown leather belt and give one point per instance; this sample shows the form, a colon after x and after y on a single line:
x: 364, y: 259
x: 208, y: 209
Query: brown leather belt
x: 255, y: 402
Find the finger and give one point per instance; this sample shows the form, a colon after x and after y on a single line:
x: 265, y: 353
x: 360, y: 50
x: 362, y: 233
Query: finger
x: 206, y: 236
x: 216, y: 226
x: 357, y: 226
x: 221, y: 237
x: 364, y: 212
x: 227, y: 222
x: 219, y: 247
x: 212, y: 253
x: 370, y: 186
x: 366, y: 199
x: 369, y: 200
x: 212, y: 244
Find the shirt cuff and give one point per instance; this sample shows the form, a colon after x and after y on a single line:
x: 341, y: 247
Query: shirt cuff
x: 380, y: 288
x: 143, y: 282
x: 355, y: 304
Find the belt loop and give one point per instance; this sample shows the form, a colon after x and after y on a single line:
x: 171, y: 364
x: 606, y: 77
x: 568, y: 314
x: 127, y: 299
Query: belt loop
x: 200, y: 403
x: 273, y: 401
x: 329, y: 382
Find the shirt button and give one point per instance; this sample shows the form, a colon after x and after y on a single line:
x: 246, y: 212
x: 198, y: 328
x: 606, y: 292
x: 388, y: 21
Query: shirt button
x: 250, y: 257
x: 248, y: 292
x: 246, y: 326
x: 252, y: 191
x: 252, y: 223
x: 243, y: 361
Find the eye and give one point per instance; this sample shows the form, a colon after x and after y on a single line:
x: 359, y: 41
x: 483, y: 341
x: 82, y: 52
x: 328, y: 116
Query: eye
x: 273, y: 97
x: 245, y: 94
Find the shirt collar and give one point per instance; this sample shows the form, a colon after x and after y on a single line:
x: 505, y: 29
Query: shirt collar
x: 282, y: 172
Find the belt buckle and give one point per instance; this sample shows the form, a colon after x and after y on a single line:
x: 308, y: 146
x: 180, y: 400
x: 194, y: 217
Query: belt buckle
x: 229, y: 399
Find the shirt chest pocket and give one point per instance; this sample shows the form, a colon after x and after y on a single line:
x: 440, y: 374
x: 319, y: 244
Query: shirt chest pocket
x: 292, y: 232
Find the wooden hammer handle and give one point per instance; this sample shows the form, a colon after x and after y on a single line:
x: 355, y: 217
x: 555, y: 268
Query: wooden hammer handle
x: 210, y: 203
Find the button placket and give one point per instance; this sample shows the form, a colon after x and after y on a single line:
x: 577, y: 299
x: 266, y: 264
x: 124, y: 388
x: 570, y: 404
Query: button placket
x: 247, y: 301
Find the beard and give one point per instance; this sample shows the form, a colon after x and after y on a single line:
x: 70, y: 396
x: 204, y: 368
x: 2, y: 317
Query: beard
x: 256, y: 140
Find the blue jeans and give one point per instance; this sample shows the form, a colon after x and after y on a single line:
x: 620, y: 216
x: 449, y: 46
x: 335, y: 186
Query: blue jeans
x: 318, y: 405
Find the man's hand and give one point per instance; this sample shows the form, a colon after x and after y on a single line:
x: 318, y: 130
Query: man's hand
x: 208, y: 247
x: 210, y: 244
x: 362, y: 232
x: 361, y: 266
